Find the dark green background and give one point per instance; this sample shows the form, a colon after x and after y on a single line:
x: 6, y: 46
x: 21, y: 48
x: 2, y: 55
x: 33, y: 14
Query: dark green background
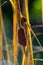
x: 35, y: 16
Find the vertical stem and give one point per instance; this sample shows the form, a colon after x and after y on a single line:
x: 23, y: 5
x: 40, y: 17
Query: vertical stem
x: 15, y: 35
x: 1, y: 54
x: 16, y: 16
x: 15, y: 20
x: 4, y: 34
x: 29, y: 33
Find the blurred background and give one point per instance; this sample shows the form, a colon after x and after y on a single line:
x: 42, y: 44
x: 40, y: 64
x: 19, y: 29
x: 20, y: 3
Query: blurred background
x: 35, y: 17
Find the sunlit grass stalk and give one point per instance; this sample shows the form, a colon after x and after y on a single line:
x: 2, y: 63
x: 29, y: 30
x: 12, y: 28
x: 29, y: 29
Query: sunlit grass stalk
x: 1, y: 53
x: 4, y: 34
x: 29, y: 32
x: 15, y: 20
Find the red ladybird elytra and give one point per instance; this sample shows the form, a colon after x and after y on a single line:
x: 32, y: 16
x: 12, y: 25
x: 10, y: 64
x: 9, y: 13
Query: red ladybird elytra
x: 23, y: 19
x: 21, y: 37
